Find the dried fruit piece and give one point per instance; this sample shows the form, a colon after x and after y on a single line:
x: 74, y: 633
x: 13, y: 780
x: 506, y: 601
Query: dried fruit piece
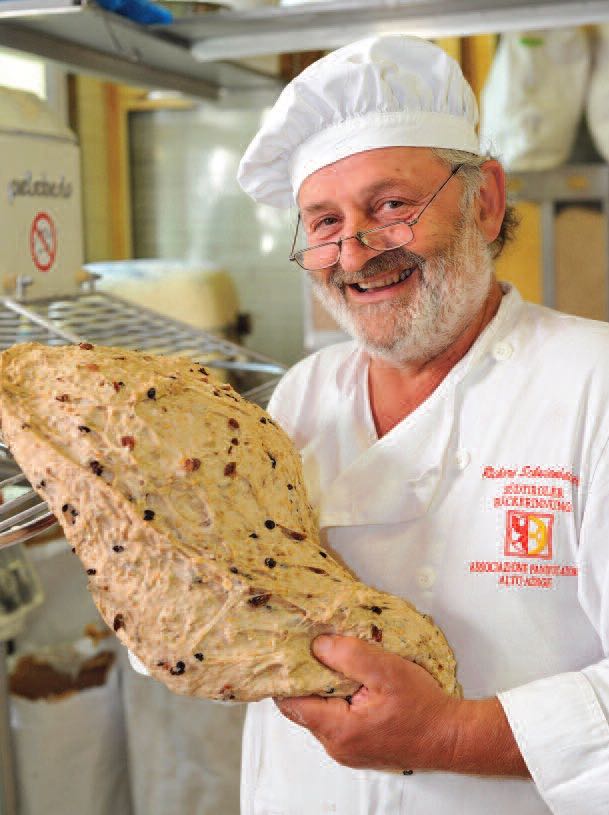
x: 377, y: 634
x: 96, y: 467
x: 259, y: 600
x: 292, y: 534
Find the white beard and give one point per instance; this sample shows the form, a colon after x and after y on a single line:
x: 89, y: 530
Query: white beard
x: 448, y: 292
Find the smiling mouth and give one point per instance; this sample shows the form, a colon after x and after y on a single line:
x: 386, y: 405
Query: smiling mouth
x: 385, y: 283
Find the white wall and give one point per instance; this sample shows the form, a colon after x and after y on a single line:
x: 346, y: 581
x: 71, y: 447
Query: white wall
x: 187, y: 204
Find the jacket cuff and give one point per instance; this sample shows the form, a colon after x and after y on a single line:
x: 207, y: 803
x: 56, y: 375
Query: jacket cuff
x: 563, y: 735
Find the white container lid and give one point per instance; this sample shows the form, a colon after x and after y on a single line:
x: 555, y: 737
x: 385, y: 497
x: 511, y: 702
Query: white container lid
x: 199, y: 293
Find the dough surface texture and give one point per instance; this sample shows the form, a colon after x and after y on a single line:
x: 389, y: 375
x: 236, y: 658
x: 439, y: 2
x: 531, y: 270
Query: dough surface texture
x: 187, y: 507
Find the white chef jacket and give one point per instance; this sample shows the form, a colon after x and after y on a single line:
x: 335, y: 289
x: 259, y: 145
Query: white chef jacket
x: 488, y: 508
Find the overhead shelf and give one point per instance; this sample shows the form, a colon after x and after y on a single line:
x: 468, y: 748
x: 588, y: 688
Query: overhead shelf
x: 328, y: 25
x: 84, y: 37
x: 191, y: 55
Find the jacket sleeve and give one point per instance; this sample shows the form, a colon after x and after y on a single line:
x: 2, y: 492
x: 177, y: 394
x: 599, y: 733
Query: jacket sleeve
x: 561, y: 723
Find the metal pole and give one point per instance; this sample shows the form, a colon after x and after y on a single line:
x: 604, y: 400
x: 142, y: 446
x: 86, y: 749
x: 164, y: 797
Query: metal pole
x: 8, y: 790
x: 548, y: 249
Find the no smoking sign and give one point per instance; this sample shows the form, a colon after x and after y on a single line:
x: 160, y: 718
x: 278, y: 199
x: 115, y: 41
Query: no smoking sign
x: 43, y: 241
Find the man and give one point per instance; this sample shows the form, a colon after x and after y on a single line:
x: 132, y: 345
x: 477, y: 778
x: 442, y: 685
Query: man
x: 456, y: 451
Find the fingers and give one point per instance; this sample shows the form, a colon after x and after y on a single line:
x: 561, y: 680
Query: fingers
x: 316, y: 714
x: 356, y: 659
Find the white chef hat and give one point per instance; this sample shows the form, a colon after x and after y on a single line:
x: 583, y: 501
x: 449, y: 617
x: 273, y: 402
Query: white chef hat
x: 386, y: 91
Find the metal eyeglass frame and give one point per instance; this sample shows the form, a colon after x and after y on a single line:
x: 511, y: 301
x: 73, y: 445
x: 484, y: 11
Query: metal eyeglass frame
x: 361, y: 236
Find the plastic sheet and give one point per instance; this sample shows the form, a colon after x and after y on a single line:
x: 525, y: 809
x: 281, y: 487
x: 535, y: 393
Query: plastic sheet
x: 70, y: 753
x: 534, y: 96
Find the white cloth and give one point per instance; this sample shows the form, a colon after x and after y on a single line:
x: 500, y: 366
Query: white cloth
x: 384, y: 91
x: 597, y: 100
x: 487, y: 508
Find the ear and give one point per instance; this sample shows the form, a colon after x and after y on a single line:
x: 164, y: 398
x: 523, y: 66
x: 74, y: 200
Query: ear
x: 490, y: 202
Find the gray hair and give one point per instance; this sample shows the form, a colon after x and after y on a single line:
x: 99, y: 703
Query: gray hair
x: 472, y: 177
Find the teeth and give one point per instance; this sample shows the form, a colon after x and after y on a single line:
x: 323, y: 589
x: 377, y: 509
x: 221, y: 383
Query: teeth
x: 387, y: 281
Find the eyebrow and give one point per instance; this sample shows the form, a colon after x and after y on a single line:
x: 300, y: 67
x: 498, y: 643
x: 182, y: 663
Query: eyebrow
x: 383, y: 184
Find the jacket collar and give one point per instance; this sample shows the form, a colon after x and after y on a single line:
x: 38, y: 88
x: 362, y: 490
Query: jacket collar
x: 356, y: 479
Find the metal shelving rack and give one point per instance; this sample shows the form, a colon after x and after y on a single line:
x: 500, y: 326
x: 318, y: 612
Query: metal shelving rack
x: 569, y: 184
x: 105, y: 319
x: 85, y: 38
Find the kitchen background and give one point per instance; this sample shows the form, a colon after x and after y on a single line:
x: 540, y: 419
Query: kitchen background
x: 158, y: 216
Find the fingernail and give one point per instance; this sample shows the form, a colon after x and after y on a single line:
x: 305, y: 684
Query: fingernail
x: 322, y: 645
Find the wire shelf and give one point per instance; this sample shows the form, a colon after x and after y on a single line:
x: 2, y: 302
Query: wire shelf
x: 105, y: 319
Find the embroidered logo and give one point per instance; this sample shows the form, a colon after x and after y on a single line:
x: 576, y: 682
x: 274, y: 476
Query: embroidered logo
x: 528, y: 534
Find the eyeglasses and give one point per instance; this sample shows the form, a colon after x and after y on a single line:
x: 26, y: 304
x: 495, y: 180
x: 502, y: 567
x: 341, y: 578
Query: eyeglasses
x: 379, y: 238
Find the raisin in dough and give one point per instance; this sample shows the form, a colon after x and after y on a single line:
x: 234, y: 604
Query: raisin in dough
x: 187, y: 507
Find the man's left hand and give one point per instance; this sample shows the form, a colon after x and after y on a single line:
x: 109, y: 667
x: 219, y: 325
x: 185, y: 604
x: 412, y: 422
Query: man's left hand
x: 400, y: 718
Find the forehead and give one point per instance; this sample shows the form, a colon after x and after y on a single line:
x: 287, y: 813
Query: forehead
x: 412, y: 168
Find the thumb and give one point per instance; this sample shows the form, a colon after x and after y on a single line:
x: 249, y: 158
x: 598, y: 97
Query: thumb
x: 356, y: 659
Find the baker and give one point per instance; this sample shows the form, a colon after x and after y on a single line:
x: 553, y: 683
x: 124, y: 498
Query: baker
x: 456, y: 450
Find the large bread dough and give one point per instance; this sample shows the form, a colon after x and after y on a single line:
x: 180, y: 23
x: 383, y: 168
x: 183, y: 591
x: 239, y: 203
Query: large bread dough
x: 187, y: 507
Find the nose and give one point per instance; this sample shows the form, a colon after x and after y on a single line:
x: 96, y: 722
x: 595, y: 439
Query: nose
x: 354, y: 255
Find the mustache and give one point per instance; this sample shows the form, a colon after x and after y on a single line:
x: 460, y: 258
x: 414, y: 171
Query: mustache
x: 388, y: 261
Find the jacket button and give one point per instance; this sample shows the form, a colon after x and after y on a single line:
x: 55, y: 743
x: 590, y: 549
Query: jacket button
x: 463, y: 459
x: 502, y: 351
x: 426, y: 577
